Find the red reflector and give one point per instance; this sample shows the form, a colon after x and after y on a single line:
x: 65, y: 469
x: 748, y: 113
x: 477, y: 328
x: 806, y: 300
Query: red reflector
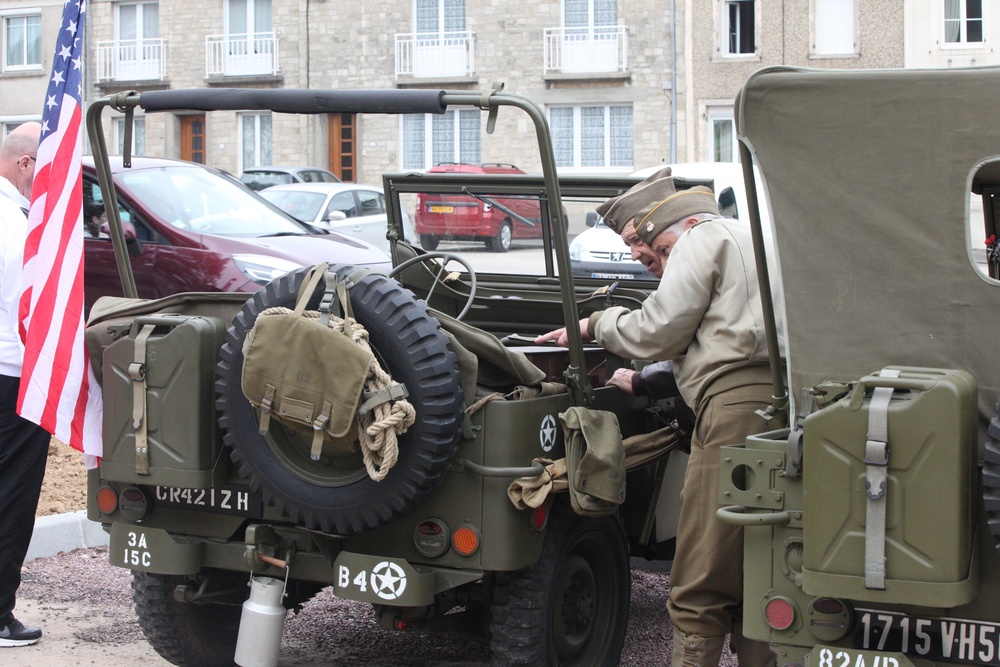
x: 107, y: 500
x: 779, y: 613
x: 539, y: 517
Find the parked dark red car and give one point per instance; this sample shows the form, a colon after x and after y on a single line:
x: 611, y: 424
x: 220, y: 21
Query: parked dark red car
x: 192, y: 228
x: 497, y: 221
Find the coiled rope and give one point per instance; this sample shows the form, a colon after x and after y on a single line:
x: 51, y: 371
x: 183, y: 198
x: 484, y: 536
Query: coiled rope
x: 379, y: 428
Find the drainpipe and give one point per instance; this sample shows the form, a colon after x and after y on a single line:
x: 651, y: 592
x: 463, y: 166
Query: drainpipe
x: 673, y: 81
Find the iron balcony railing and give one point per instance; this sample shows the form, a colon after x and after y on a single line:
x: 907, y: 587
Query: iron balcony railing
x: 584, y: 50
x: 438, y: 54
x: 242, y: 54
x: 132, y: 60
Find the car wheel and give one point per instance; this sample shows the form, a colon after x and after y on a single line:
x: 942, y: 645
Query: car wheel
x: 184, y: 633
x: 429, y: 241
x: 335, y: 493
x: 569, y: 609
x: 191, y: 634
x: 501, y: 242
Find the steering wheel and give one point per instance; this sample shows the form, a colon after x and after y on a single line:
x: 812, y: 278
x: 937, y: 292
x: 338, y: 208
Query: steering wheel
x: 446, y: 258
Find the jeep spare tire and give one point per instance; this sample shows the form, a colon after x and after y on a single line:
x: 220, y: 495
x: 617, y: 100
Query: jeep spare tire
x: 335, y: 493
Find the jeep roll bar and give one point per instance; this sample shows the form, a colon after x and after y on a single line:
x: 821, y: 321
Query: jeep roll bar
x: 352, y: 102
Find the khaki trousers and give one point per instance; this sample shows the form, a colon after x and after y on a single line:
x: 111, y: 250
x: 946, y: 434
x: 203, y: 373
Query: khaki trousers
x: 706, y: 581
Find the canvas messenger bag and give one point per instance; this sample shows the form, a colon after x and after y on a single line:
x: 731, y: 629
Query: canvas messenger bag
x: 305, y: 374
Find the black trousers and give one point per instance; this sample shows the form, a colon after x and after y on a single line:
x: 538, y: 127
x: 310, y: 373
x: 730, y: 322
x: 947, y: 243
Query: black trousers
x: 24, y: 449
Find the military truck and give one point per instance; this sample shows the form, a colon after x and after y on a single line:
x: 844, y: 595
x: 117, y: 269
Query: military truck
x: 206, y: 495
x: 873, y: 521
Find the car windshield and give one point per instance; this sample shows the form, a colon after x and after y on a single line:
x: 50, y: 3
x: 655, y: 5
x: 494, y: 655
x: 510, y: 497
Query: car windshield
x: 200, y: 200
x: 258, y: 180
x: 301, y: 205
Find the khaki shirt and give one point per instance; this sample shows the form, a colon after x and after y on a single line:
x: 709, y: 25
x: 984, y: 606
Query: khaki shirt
x: 705, y: 315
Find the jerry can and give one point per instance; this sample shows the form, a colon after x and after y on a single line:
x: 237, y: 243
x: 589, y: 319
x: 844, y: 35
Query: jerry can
x: 888, y: 472
x: 159, y: 415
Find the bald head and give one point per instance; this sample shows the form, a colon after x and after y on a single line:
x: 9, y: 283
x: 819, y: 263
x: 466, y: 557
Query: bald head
x: 18, y: 154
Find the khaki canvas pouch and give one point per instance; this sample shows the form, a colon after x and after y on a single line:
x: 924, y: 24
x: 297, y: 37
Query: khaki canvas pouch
x: 595, y: 461
x: 304, y: 374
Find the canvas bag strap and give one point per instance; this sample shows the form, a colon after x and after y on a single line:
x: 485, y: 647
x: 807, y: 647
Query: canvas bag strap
x: 312, y: 278
x: 137, y: 373
x: 876, y: 481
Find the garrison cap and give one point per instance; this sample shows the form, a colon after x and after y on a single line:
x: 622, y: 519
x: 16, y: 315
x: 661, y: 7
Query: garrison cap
x: 659, y: 215
x: 617, y: 211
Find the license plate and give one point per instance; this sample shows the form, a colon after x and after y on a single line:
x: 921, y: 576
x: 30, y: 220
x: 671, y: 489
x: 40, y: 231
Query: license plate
x: 613, y: 276
x: 937, y: 639
x: 228, y: 499
x: 441, y: 209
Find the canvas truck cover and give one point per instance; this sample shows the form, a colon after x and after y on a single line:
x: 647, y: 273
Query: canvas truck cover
x: 868, y: 175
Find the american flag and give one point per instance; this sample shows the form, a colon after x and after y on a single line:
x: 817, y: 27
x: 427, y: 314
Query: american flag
x: 58, y: 388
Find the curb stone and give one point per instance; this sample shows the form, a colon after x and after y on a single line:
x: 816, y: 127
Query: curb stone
x: 59, y: 533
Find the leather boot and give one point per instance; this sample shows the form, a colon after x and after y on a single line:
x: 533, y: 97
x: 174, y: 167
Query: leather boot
x: 696, y: 651
x: 751, y: 652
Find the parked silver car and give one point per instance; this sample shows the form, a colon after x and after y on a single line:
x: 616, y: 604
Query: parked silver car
x: 347, y: 208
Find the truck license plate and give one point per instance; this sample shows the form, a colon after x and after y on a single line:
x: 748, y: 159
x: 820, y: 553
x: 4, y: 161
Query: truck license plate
x: 937, y: 639
x: 229, y: 499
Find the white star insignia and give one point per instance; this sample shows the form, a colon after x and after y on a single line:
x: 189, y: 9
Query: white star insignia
x: 51, y: 102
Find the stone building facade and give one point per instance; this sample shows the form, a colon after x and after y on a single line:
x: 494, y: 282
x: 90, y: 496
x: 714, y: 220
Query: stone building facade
x: 626, y: 84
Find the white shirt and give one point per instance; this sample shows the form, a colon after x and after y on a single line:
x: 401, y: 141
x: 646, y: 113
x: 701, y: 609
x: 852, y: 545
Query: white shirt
x: 13, y: 232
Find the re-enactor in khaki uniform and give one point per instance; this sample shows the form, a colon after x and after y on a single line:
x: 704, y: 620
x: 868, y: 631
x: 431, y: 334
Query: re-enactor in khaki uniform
x: 706, y: 316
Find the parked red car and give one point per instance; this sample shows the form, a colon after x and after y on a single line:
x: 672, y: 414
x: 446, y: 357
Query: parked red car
x: 192, y: 228
x: 459, y: 218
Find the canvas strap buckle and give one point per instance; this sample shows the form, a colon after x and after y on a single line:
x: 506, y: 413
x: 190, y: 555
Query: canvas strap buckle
x: 318, y: 425
x: 137, y: 373
x: 266, y: 408
x: 372, y: 399
x: 876, y: 482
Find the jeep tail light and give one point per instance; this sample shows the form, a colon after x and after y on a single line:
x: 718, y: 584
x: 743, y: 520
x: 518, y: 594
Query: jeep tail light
x: 780, y: 613
x: 431, y: 537
x: 466, y: 539
x: 539, y: 517
x: 107, y: 499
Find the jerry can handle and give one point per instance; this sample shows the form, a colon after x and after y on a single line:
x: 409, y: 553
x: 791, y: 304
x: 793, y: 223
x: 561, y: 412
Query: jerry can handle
x: 872, y: 381
x: 737, y: 515
x: 156, y: 320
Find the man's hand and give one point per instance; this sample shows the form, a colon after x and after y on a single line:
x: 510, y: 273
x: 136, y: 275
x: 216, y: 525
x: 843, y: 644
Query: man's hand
x: 622, y: 379
x: 561, y: 338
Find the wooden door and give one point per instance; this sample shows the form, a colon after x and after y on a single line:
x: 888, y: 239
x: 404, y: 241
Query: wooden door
x: 193, y: 138
x: 343, y: 146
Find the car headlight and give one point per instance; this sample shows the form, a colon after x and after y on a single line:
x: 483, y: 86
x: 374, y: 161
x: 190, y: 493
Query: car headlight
x: 576, y: 251
x: 262, y: 268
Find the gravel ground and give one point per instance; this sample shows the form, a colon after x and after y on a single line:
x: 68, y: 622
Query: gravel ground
x: 84, y: 607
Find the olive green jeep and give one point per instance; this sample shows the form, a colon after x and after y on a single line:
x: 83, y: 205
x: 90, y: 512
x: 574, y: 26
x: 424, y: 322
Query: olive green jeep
x: 204, y: 492
x: 873, y: 521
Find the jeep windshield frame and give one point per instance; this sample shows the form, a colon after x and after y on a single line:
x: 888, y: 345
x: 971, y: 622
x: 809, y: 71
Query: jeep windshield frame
x: 303, y: 101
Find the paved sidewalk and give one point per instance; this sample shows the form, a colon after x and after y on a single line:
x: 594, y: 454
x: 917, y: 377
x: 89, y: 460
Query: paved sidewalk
x: 58, y: 533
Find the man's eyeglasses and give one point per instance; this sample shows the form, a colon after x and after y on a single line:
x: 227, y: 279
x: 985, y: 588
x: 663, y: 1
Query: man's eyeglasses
x: 31, y: 158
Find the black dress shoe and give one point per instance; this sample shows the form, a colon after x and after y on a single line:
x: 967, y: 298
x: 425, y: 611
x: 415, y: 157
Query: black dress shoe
x: 16, y: 633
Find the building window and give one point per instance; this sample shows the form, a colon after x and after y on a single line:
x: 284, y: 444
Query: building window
x: 23, y: 35
x: 138, y: 135
x: 592, y: 136
x: 138, y: 51
x: 739, y: 27
x: 722, y: 144
x: 430, y: 139
x: 963, y: 21
x: 590, y: 13
x: 255, y: 140
x: 834, y: 24
x: 439, y: 16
